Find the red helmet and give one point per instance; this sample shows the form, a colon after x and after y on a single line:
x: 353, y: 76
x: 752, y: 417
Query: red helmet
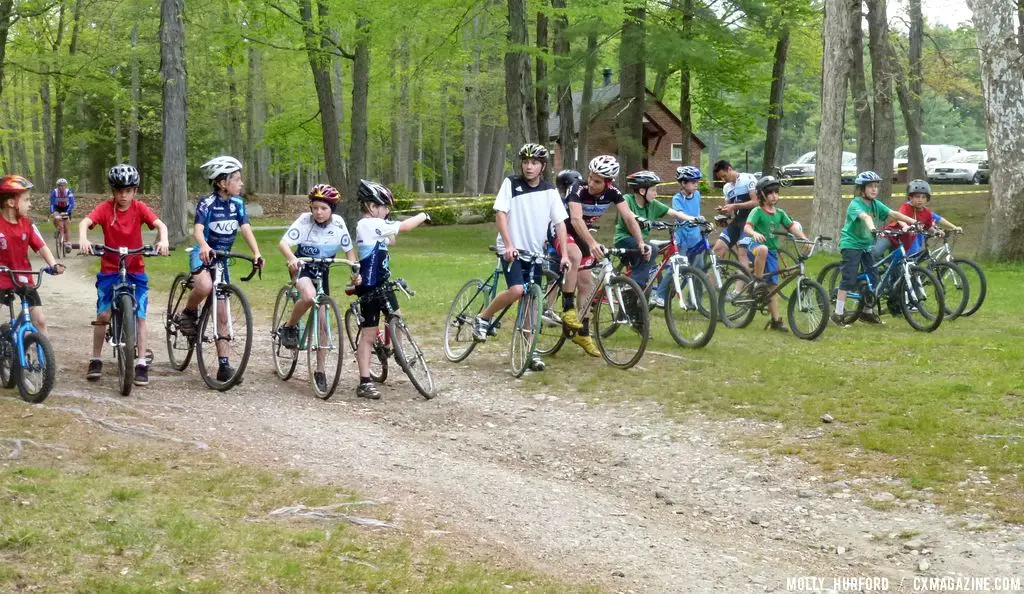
x: 14, y: 184
x: 325, y: 193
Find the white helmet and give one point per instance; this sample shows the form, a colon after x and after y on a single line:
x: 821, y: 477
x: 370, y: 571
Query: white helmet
x: 605, y: 166
x: 218, y: 166
x: 62, y: 181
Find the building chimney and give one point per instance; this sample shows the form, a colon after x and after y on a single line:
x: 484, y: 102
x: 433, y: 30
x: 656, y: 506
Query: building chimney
x: 607, y: 73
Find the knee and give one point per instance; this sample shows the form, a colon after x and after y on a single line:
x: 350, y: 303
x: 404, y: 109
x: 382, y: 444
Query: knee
x: 103, y: 317
x: 761, y: 251
x: 516, y: 291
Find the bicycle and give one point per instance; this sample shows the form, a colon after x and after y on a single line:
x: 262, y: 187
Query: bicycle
x: 394, y: 340
x: 319, y: 345
x: 26, y: 356
x: 808, y: 301
x: 60, y: 234
x: 956, y: 291
x: 903, y: 283
x: 458, y: 326
x: 215, y: 332
x: 122, y: 330
x: 972, y: 272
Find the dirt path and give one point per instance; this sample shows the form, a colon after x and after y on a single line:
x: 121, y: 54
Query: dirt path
x: 614, y: 495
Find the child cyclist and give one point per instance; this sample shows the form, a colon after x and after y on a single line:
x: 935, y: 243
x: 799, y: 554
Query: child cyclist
x: 526, y: 206
x: 121, y: 218
x: 762, y: 224
x: 219, y: 218
x: 374, y: 233
x: 686, y: 201
x: 17, y: 235
x: 919, y: 194
x: 62, y: 201
x: 643, y: 203
x: 855, y: 240
x: 319, y: 233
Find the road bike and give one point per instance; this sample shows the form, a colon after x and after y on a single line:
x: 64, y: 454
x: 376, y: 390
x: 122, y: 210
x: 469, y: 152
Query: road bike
x: 60, y: 238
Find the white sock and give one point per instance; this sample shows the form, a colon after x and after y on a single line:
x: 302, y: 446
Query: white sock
x: 840, y: 306
x: 142, y: 362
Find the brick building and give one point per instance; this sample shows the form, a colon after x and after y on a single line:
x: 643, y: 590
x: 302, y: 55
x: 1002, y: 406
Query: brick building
x: 662, y: 132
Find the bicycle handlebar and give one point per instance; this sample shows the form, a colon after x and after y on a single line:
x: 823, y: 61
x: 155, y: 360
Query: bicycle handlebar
x: 99, y: 250
x: 354, y: 266
x: 232, y: 255
x: 38, y: 273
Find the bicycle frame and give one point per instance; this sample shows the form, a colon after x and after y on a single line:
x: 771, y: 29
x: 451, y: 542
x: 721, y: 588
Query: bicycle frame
x: 790, y: 273
x: 896, y: 258
x: 21, y: 324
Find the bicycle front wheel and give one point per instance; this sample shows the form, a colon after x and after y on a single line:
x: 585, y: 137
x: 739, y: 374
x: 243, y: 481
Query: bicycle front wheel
x: 550, y: 335
x: 326, y: 347
x: 956, y: 292
x: 458, y: 325
x: 58, y: 244
x: 736, y: 302
x: 524, y: 335
x: 36, y: 378
x: 410, y: 357
x: 285, y: 359
x: 622, y: 322
x: 922, y: 301
x: 808, y: 309
x: 691, y: 316
x: 179, y: 346
x: 976, y: 281
x: 124, y: 344
x: 229, y: 336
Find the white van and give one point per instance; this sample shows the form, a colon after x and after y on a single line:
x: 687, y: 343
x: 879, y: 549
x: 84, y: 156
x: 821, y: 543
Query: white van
x: 933, y: 153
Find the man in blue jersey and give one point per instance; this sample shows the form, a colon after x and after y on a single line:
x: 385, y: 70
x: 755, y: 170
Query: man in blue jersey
x: 740, y: 198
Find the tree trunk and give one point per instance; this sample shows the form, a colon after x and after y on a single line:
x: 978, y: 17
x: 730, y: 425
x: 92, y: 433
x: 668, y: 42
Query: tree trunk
x: 420, y: 183
x: 775, y: 108
x: 339, y: 103
x: 319, y: 63
x: 174, y: 187
x: 589, y: 65
x: 916, y: 166
x: 133, y: 120
x: 685, y: 97
x: 858, y: 88
x: 881, y: 77
x: 403, y: 144
x: 828, y: 208
x: 471, y: 114
x: 44, y: 97
x: 1002, y: 83
x: 522, y: 121
x: 360, y: 116
x: 38, y: 172
x: 661, y: 81
x: 118, y: 145
x: 257, y: 157
x: 629, y: 125
x: 446, y: 172
x: 58, y: 114
x: 563, y: 63
x: 497, y: 165
x: 19, y: 115
x: 487, y: 133
x: 543, y: 101
x: 6, y: 6
x: 912, y: 113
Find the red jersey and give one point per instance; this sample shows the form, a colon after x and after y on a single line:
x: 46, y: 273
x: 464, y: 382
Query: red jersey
x: 122, y: 229
x: 15, y: 239
x: 925, y: 217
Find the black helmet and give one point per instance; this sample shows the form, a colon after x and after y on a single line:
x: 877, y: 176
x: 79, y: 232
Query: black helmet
x: 123, y: 176
x: 919, y: 186
x: 566, y: 178
x: 643, y: 179
x: 767, y: 184
x: 532, y: 150
x: 373, y: 192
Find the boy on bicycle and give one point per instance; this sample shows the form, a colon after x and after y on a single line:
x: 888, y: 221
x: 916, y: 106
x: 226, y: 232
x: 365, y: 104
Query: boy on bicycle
x: 686, y: 201
x: 919, y: 194
x: 121, y: 218
x: 374, y: 233
x: 643, y: 203
x: 526, y: 207
x: 762, y: 225
x: 62, y: 201
x: 17, y: 235
x: 855, y: 240
x: 219, y: 218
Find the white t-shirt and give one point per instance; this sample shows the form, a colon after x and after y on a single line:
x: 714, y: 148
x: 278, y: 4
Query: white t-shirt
x: 316, y: 240
x: 373, y: 236
x: 531, y: 212
x: 740, y: 191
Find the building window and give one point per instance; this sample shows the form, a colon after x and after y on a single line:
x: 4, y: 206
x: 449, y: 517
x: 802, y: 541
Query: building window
x: 677, y: 151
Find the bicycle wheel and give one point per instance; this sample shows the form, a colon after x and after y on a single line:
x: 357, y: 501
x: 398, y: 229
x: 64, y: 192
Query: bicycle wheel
x: 977, y: 283
x: 808, y: 309
x: 527, y: 327
x: 550, y: 335
x: 922, y: 302
x: 622, y: 322
x: 124, y: 344
x: 285, y: 359
x: 458, y: 325
x: 829, y: 277
x: 179, y: 346
x: 410, y: 357
x: 234, y: 332
x: 328, y: 354
x: 58, y: 244
x: 8, y: 360
x: 381, y: 352
x: 728, y: 268
x: 736, y: 303
x: 691, y: 317
x: 956, y: 291
x: 36, y: 378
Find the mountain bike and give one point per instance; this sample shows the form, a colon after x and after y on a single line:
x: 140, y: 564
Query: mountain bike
x: 395, y: 340
x: 60, y: 238
x: 476, y: 295
x: 218, y: 333
x: 321, y: 335
x: 808, y: 309
x: 974, y: 274
x: 26, y: 357
x: 956, y: 289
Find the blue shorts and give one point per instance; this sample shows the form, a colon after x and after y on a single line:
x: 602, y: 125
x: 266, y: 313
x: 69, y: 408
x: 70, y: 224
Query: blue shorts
x: 518, y: 272
x: 771, y: 263
x: 105, y: 292
x: 195, y: 264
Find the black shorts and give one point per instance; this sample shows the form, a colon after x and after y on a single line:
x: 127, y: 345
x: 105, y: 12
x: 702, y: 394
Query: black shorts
x: 10, y: 297
x: 518, y: 272
x: 734, y: 231
x: 854, y: 261
x: 314, y: 272
x: 372, y: 303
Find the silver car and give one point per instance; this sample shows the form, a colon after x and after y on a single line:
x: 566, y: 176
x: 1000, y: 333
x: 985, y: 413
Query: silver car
x: 964, y: 168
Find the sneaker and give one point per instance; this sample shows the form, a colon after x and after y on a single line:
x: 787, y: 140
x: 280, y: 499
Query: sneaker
x: 289, y: 336
x: 369, y: 391
x: 95, y: 370
x: 570, y: 320
x: 321, y: 381
x: 657, y: 301
x: 871, y: 318
x: 838, y: 320
x: 142, y: 375
x: 587, y: 344
x: 480, y: 327
x: 187, y: 322
x: 149, y: 356
x: 777, y: 325
x: 536, y: 364
x: 224, y: 373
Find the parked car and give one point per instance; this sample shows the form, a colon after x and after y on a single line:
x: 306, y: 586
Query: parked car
x: 964, y: 168
x: 933, y: 153
x: 804, y: 168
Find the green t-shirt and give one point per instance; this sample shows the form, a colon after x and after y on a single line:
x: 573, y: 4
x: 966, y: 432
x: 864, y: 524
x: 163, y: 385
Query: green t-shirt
x: 767, y: 224
x: 653, y: 211
x: 855, y: 234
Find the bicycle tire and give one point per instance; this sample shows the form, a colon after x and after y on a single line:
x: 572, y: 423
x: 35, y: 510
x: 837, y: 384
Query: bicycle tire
x: 458, y: 324
x: 978, y: 293
x: 40, y: 345
x: 526, y: 330
x: 705, y: 307
x: 284, y: 304
x: 808, y: 297
x: 829, y: 277
x: 204, y: 320
x: 410, y: 357
x: 336, y: 344
x: 634, y: 313
x: 911, y: 299
x: 956, y: 290
x: 125, y: 353
x: 58, y: 244
x: 8, y: 361
x: 736, y: 307
x: 175, y: 303
x: 551, y: 335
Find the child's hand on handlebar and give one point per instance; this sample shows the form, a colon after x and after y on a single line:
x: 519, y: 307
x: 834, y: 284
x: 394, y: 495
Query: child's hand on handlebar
x: 163, y: 248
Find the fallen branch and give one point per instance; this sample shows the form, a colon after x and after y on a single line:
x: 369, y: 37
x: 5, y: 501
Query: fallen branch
x: 326, y: 513
x: 18, y: 442
x: 130, y: 429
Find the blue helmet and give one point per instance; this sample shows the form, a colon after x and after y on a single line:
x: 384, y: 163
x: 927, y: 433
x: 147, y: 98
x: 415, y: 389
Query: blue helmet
x: 688, y: 173
x: 866, y: 177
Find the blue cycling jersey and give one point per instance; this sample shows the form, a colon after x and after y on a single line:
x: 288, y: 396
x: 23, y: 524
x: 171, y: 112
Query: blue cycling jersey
x: 221, y: 219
